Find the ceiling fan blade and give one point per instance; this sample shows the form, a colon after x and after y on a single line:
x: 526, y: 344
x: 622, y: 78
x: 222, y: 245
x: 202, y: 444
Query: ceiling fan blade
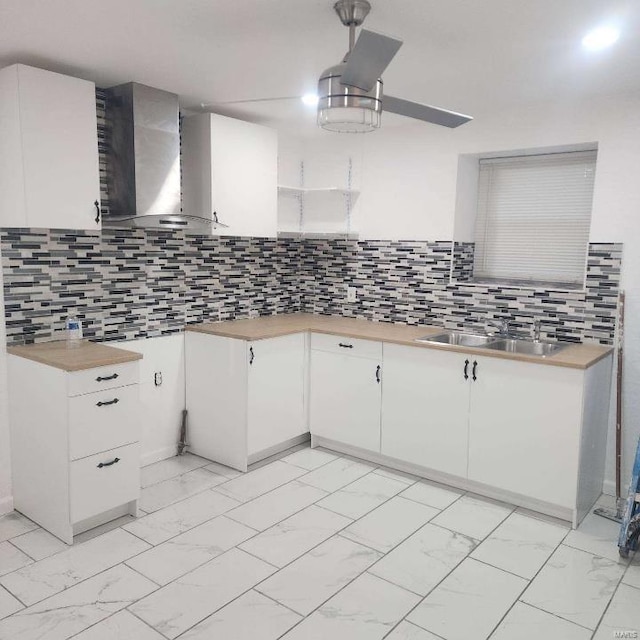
x: 204, y: 105
x: 369, y: 57
x: 424, y: 112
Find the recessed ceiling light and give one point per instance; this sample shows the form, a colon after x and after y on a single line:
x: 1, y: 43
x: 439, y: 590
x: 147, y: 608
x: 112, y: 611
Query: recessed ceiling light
x: 600, y: 38
x: 310, y: 99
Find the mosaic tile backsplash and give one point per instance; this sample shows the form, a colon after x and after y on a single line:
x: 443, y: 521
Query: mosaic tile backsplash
x: 127, y: 284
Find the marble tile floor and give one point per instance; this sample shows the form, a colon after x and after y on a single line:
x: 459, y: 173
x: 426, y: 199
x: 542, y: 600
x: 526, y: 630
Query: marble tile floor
x: 314, y: 545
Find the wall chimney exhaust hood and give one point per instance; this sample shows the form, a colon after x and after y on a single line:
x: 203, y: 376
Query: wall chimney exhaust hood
x: 143, y: 166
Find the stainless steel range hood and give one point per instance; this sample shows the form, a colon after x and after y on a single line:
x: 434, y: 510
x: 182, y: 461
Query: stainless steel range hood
x: 143, y: 167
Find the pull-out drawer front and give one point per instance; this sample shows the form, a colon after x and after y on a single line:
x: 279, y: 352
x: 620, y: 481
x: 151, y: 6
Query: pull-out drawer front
x: 104, y: 481
x: 92, y: 380
x: 102, y: 421
x: 346, y: 346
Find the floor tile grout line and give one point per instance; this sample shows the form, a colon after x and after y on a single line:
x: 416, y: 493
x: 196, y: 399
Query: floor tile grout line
x: 281, y: 604
x: 529, y: 583
x: 24, y: 553
x: 24, y: 606
x: 141, y: 574
x: 468, y: 556
x: 601, y: 618
x: 158, y: 462
x: 384, y: 553
x: 115, y: 613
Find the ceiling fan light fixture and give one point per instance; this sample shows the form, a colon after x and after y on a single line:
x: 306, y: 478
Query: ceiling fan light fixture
x: 346, y: 109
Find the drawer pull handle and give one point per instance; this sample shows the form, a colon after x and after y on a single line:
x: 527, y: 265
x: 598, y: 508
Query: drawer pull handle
x: 107, y: 403
x: 378, y: 374
x: 96, y: 204
x: 345, y: 346
x: 108, y: 464
x: 473, y: 371
x: 103, y: 378
x: 251, y: 356
x: 466, y: 369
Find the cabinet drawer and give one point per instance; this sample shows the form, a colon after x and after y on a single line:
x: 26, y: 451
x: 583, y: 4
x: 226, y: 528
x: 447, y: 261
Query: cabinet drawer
x: 346, y: 346
x: 102, y: 421
x: 92, y: 380
x: 95, y: 489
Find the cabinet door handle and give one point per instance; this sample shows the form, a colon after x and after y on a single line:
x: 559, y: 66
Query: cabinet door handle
x: 251, y: 355
x: 96, y: 204
x: 466, y: 369
x: 345, y: 346
x: 108, y: 464
x: 103, y: 378
x: 107, y: 403
x: 473, y: 371
x: 378, y: 374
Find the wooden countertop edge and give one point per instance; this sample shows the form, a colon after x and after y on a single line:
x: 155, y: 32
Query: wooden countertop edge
x: 254, y: 334
x: 88, y: 361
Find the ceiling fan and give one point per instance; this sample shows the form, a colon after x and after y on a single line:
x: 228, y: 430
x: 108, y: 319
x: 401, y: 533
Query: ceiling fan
x: 350, y: 96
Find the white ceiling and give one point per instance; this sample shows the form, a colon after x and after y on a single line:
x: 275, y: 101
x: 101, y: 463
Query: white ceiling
x: 473, y: 56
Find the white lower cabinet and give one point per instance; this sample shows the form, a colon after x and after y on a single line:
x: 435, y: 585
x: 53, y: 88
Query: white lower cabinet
x: 529, y: 433
x: 425, y: 407
x: 345, y: 394
x: 525, y: 424
x: 246, y: 399
x: 75, y: 452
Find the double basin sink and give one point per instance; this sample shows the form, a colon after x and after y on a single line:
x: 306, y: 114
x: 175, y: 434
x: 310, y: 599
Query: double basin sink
x: 495, y: 343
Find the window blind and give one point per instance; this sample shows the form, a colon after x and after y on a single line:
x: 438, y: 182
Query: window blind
x: 533, y: 218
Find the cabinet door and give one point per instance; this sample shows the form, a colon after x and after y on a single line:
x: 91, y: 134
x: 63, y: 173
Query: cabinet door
x: 216, y: 398
x: 524, y: 429
x: 244, y: 177
x: 345, y: 399
x: 425, y: 408
x: 60, y: 149
x: 276, y: 391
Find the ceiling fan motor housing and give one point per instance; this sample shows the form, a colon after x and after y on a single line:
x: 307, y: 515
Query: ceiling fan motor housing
x: 336, y: 98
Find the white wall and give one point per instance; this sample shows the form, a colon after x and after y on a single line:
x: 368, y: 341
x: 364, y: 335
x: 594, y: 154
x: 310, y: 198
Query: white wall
x: 6, y: 501
x: 410, y: 191
x: 161, y: 405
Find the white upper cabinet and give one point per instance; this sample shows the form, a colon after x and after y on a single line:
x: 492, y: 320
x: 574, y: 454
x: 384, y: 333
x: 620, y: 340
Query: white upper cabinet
x: 230, y: 168
x: 49, y: 175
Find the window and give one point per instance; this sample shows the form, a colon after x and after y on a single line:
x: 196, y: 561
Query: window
x: 533, y: 218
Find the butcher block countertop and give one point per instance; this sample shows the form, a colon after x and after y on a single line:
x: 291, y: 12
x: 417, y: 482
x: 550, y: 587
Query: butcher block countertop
x: 575, y: 356
x: 85, y: 355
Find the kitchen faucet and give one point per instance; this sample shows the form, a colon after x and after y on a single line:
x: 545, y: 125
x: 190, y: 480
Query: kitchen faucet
x: 536, y: 331
x: 503, y: 327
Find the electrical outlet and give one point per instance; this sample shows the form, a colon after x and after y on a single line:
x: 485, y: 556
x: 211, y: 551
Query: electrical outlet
x: 351, y: 294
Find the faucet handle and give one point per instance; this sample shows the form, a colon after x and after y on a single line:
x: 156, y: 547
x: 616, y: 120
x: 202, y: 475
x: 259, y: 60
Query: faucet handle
x: 536, y: 330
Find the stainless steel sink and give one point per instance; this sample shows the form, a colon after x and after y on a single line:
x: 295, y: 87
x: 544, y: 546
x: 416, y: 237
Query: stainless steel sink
x: 528, y: 347
x: 459, y: 338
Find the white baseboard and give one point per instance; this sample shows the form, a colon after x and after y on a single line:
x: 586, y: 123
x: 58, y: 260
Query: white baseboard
x: 158, y: 454
x: 609, y: 487
x: 6, y: 505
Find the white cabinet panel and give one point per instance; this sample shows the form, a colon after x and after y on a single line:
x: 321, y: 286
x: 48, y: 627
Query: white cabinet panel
x: 347, y: 346
x: 51, y: 133
x: 104, y: 481
x: 276, y: 391
x: 243, y: 397
x: 345, y: 399
x: 231, y: 167
x: 425, y: 408
x: 103, y: 378
x: 524, y: 429
x: 102, y: 421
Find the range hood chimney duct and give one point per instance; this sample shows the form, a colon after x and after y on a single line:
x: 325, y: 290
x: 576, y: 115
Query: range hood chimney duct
x: 143, y: 167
